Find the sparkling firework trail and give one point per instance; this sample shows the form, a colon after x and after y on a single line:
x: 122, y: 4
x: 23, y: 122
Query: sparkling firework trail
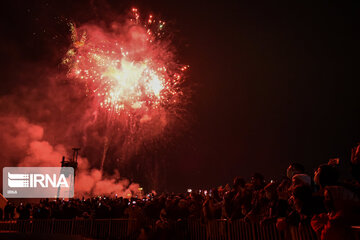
x: 123, y: 75
x: 129, y: 70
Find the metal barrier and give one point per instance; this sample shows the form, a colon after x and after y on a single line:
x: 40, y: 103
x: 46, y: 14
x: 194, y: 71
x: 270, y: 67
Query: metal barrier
x: 356, y: 231
x: 189, y: 230
x: 303, y: 232
x: 241, y: 230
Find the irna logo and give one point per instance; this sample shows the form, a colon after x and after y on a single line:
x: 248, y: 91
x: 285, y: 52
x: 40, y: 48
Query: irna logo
x: 16, y: 180
x: 38, y: 182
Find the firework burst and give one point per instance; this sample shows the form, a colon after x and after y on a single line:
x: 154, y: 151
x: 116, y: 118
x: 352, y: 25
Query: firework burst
x: 130, y: 72
x: 126, y: 71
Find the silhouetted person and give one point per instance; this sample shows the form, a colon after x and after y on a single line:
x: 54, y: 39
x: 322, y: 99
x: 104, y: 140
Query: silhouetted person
x: 294, y: 168
x: 9, y: 211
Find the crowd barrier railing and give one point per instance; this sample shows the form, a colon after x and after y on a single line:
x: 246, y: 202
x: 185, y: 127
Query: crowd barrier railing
x: 191, y: 229
x: 356, y: 231
x: 237, y: 230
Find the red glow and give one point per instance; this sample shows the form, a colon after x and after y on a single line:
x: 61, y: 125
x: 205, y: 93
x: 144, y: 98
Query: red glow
x: 125, y: 70
x: 130, y: 72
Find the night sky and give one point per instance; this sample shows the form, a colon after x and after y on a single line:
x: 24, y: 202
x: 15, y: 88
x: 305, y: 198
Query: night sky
x: 272, y: 83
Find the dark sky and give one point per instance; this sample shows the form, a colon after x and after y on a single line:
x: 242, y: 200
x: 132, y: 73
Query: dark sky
x: 273, y: 82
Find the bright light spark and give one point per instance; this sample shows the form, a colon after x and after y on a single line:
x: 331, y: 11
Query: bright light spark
x: 127, y: 71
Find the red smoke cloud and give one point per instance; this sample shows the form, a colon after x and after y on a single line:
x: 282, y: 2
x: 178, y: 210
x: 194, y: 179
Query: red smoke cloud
x: 24, y: 146
x: 42, y: 121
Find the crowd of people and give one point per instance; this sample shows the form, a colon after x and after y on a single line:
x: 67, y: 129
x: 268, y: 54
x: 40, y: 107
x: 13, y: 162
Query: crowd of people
x: 329, y: 205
